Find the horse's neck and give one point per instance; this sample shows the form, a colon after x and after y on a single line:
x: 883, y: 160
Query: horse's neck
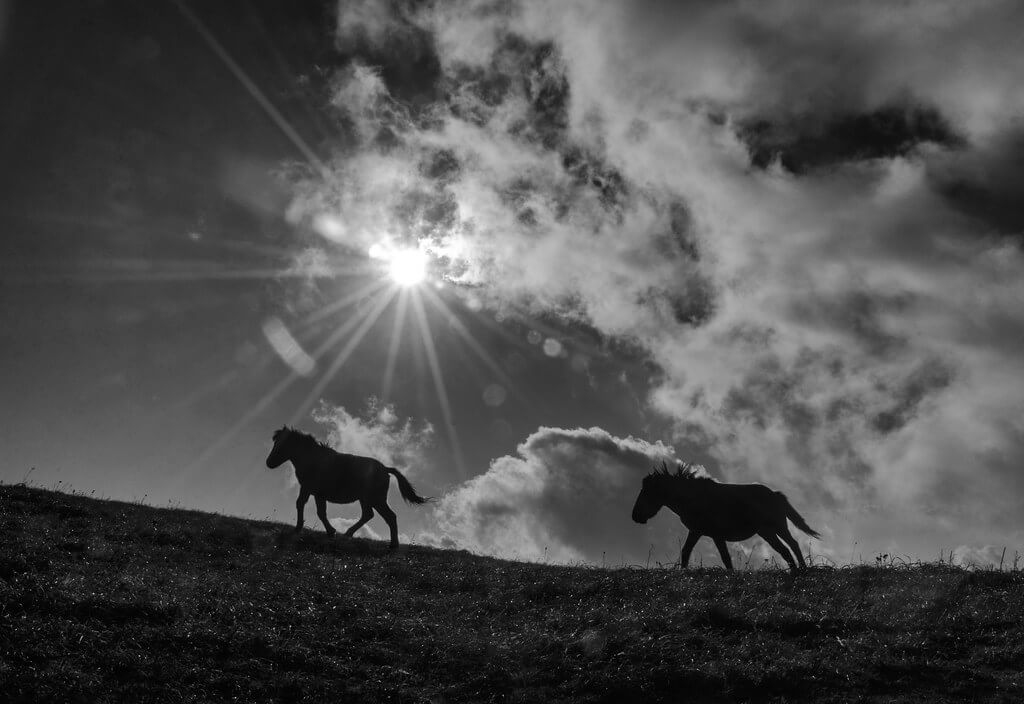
x: 683, y: 499
x: 304, y: 462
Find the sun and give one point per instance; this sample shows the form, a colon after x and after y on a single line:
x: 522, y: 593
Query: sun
x: 407, y: 267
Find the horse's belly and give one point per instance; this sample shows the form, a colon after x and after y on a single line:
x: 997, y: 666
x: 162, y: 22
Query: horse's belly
x: 733, y: 531
x: 341, y: 498
x: 735, y: 536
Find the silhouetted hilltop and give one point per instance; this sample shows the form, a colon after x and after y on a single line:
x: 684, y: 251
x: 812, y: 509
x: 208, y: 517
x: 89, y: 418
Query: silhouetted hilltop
x: 109, y: 601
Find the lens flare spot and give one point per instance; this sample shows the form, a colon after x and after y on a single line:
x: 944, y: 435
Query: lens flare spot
x: 552, y: 347
x: 494, y: 395
x: 287, y: 347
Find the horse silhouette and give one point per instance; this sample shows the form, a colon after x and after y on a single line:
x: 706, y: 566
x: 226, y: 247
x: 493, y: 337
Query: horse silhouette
x: 723, y: 512
x: 329, y: 475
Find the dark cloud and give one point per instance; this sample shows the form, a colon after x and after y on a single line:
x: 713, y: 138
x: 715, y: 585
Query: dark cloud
x: 385, y: 35
x: 547, y: 90
x: 690, y: 303
x: 680, y: 236
x: 770, y: 392
x: 858, y: 315
x: 804, y: 143
x: 589, y: 171
x: 930, y: 377
x: 986, y: 183
x: 441, y: 165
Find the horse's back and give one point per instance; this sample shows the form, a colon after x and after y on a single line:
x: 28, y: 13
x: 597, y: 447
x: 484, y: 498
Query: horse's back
x: 743, y: 492
x: 346, y: 478
x: 733, y: 511
x: 355, y: 463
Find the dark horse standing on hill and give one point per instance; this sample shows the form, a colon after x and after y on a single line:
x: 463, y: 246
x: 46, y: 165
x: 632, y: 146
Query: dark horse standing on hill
x: 328, y: 475
x: 723, y: 512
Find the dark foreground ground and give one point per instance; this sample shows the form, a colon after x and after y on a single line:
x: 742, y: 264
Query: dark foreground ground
x: 105, y: 601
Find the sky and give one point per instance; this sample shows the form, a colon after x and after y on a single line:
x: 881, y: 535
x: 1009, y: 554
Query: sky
x: 524, y: 251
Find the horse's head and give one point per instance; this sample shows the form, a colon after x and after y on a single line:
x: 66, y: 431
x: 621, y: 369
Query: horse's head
x: 281, y: 451
x: 650, y: 500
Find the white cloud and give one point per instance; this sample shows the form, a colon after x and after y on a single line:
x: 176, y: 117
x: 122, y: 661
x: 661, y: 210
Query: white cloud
x: 368, y: 20
x: 377, y: 432
x: 985, y: 556
x: 565, y: 496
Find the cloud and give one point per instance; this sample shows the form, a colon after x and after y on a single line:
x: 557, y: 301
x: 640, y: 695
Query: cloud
x: 802, y: 217
x: 377, y: 432
x: 984, y: 556
x: 565, y: 496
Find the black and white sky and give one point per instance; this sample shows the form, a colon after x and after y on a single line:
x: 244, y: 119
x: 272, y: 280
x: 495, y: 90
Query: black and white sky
x: 524, y: 250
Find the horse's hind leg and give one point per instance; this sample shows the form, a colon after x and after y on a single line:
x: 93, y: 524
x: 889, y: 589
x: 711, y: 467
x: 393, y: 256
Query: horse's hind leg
x: 723, y: 550
x: 774, y: 541
x: 793, y: 545
x: 321, y: 512
x: 389, y: 516
x: 367, y: 515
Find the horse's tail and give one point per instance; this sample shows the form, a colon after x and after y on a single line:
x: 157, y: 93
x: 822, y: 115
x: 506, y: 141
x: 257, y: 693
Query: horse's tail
x: 798, y: 520
x: 408, y: 493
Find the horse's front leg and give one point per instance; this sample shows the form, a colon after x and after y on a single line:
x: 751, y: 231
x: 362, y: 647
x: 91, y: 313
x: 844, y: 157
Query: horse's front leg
x: 300, y: 506
x: 684, y: 555
x: 321, y: 512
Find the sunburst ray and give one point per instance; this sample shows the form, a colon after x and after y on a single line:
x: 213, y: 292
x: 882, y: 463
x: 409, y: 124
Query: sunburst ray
x: 365, y: 324
x: 474, y: 345
x: 401, y: 313
x: 435, y: 372
x: 264, y: 402
x: 345, y: 301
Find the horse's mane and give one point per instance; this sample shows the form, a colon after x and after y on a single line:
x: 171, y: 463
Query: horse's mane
x: 685, y: 472
x: 306, y: 438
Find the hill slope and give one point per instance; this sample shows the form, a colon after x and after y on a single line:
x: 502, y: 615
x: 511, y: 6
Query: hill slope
x: 110, y: 601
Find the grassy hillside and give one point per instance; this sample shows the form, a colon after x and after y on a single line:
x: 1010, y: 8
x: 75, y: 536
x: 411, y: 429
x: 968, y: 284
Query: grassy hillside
x: 106, y: 601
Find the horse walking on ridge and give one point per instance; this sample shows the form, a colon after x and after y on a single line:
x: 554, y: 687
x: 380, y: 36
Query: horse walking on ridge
x: 723, y: 512
x: 328, y: 475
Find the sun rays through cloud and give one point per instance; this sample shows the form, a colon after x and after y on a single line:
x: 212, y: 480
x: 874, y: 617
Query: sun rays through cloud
x: 390, y: 280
